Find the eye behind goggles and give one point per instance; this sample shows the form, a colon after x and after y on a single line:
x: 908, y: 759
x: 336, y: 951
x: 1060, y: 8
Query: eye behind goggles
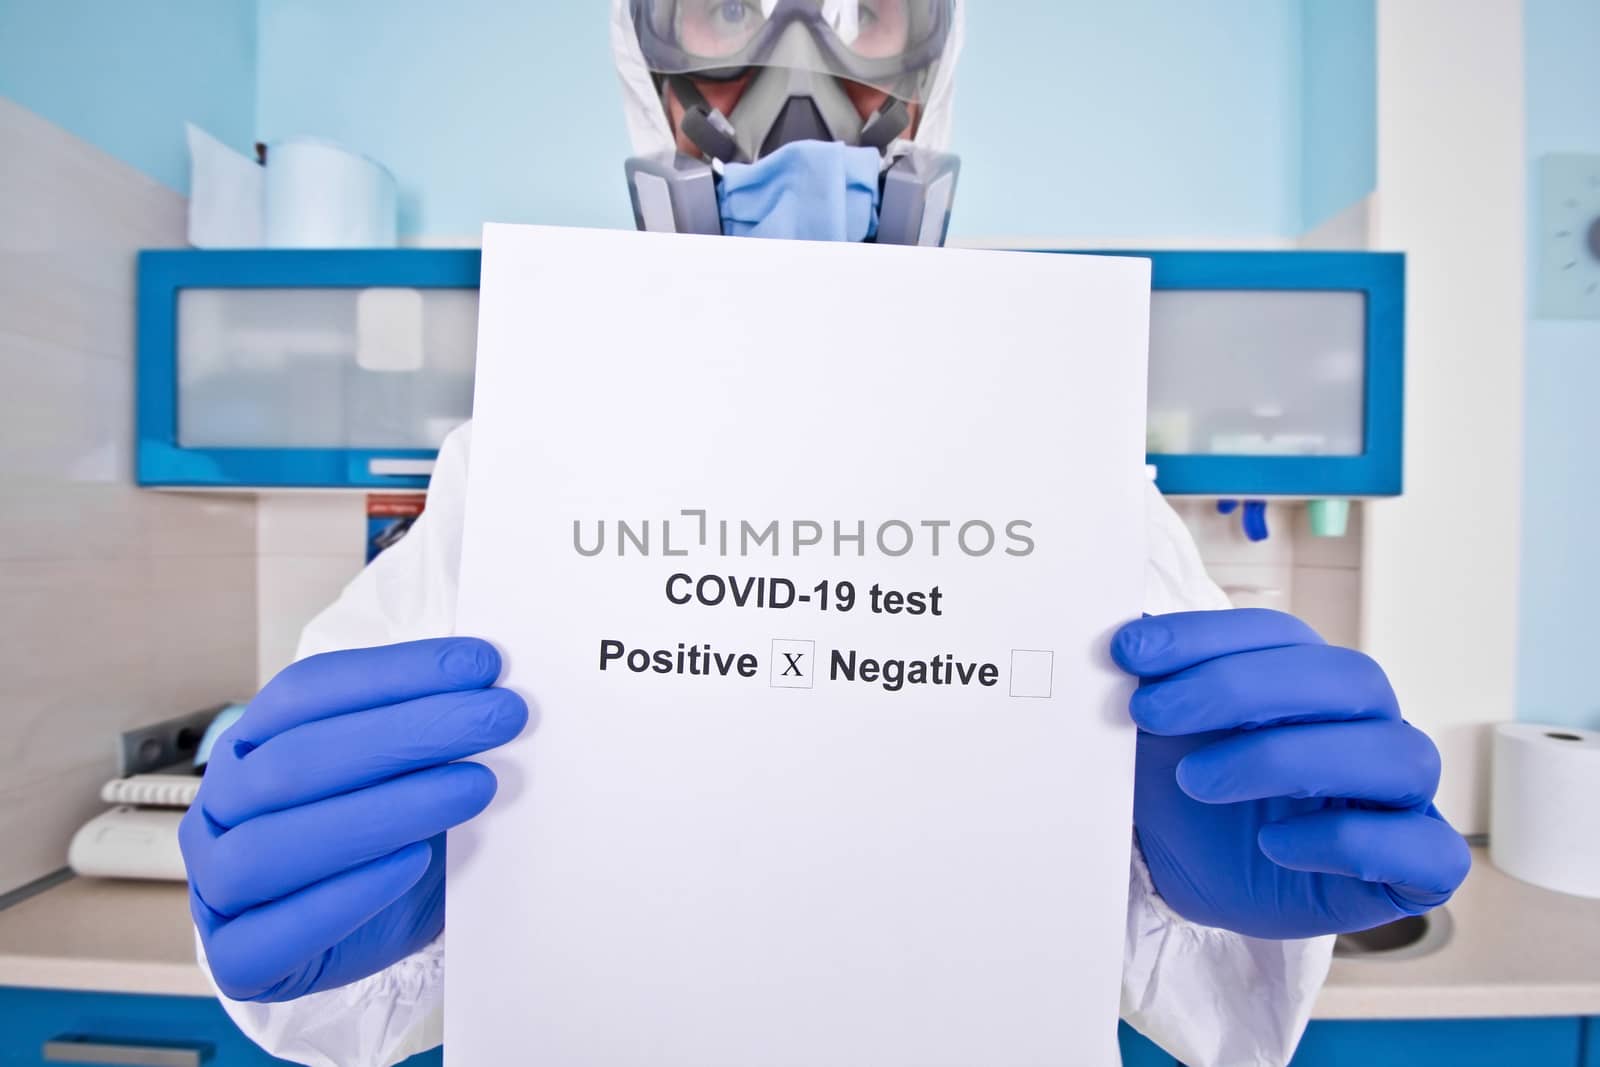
x: 884, y: 43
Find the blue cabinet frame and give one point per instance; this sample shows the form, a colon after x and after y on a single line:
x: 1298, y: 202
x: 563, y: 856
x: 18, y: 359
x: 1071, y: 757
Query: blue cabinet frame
x: 162, y: 461
x: 1557, y: 1041
x: 1381, y: 277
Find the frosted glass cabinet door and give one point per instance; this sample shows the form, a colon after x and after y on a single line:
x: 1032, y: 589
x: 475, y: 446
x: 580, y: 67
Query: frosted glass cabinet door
x: 303, y: 368
x: 323, y: 368
x: 1276, y: 373
x: 1257, y: 372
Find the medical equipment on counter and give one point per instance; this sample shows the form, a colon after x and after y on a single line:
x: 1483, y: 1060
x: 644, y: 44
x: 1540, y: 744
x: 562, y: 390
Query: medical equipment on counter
x: 138, y: 837
x: 129, y: 842
x: 225, y: 718
x: 1544, y: 816
x: 172, y: 790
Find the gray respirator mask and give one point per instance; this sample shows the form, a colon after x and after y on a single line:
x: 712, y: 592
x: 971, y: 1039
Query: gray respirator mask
x: 793, y: 57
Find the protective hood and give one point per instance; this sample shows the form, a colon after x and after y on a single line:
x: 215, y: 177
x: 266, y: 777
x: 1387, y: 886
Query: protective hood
x: 647, y: 122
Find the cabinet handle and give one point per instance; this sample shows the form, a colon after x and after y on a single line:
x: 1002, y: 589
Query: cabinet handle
x: 400, y: 468
x: 73, y: 1048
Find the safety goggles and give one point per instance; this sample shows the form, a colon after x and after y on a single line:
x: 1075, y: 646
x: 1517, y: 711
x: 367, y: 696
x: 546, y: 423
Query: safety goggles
x: 890, y: 44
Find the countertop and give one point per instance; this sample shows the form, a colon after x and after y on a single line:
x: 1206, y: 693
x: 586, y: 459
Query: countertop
x: 90, y: 934
x: 1516, y: 950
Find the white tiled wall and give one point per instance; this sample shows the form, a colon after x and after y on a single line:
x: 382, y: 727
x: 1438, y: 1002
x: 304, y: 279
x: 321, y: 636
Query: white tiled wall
x: 310, y: 546
x: 117, y: 606
x: 1316, y: 578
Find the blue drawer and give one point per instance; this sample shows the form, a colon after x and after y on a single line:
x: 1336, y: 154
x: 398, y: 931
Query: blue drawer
x: 29, y: 1018
x: 1443, y: 1043
x: 1422, y: 1043
x: 1140, y: 1051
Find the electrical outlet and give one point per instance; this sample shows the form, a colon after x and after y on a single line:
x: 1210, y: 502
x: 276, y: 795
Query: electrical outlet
x: 1569, y: 237
x: 159, y: 745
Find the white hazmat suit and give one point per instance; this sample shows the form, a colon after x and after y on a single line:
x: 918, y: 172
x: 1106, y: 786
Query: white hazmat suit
x: 1207, y: 996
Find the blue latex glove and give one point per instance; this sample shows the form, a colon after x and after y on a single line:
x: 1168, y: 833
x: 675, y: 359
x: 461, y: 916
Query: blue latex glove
x: 315, y: 848
x: 805, y: 191
x: 1278, y: 793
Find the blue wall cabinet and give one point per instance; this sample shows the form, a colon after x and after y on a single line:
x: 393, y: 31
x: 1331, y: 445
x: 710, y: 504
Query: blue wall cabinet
x: 303, y: 368
x: 1271, y: 373
x: 110, y: 1028
x: 1276, y: 373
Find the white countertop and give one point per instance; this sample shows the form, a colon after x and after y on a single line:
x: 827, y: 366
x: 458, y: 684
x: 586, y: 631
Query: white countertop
x: 1516, y: 951
x: 116, y: 937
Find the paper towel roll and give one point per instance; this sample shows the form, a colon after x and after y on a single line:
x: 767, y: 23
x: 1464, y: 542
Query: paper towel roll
x: 1544, y: 820
x: 319, y: 195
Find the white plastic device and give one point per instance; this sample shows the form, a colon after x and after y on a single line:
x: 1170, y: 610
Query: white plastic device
x: 129, y: 842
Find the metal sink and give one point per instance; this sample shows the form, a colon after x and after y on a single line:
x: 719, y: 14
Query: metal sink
x: 1403, y: 939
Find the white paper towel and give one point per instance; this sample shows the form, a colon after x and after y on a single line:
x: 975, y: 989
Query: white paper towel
x: 319, y: 195
x: 224, y: 194
x: 310, y: 194
x: 1544, y: 820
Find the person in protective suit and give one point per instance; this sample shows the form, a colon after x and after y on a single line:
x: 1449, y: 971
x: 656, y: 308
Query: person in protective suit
x: 1280, y: 797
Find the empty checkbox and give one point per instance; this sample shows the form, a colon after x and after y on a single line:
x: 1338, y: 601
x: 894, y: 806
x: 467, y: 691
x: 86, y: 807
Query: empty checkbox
x: 1031, y: 672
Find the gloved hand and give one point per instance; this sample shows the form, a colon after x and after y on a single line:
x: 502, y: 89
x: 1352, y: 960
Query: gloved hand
x: 1278, y: 792
x: 315, y: 848
x: 805, y: 191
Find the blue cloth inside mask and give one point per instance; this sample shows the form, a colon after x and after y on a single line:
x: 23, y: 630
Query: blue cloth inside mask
x: 805, y: 191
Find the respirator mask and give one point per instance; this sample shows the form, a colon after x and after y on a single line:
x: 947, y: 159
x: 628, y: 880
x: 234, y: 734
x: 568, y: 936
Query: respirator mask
x: 797, y: 63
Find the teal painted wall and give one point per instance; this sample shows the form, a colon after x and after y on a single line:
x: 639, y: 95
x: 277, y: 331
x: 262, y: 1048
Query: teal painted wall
x: 1133, y: 118
x: 1141, y: 117
x: 1560, y: 629
x: 1339, y: 107
x: 485, y: 110
x: 126, y: 75
x: 1136, y: 118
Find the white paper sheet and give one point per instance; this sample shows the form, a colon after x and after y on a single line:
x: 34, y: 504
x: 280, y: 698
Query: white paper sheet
x: 721, y: 870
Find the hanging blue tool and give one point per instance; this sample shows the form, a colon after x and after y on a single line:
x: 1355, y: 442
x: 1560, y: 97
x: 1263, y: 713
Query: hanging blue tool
x: 1254, y: 519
